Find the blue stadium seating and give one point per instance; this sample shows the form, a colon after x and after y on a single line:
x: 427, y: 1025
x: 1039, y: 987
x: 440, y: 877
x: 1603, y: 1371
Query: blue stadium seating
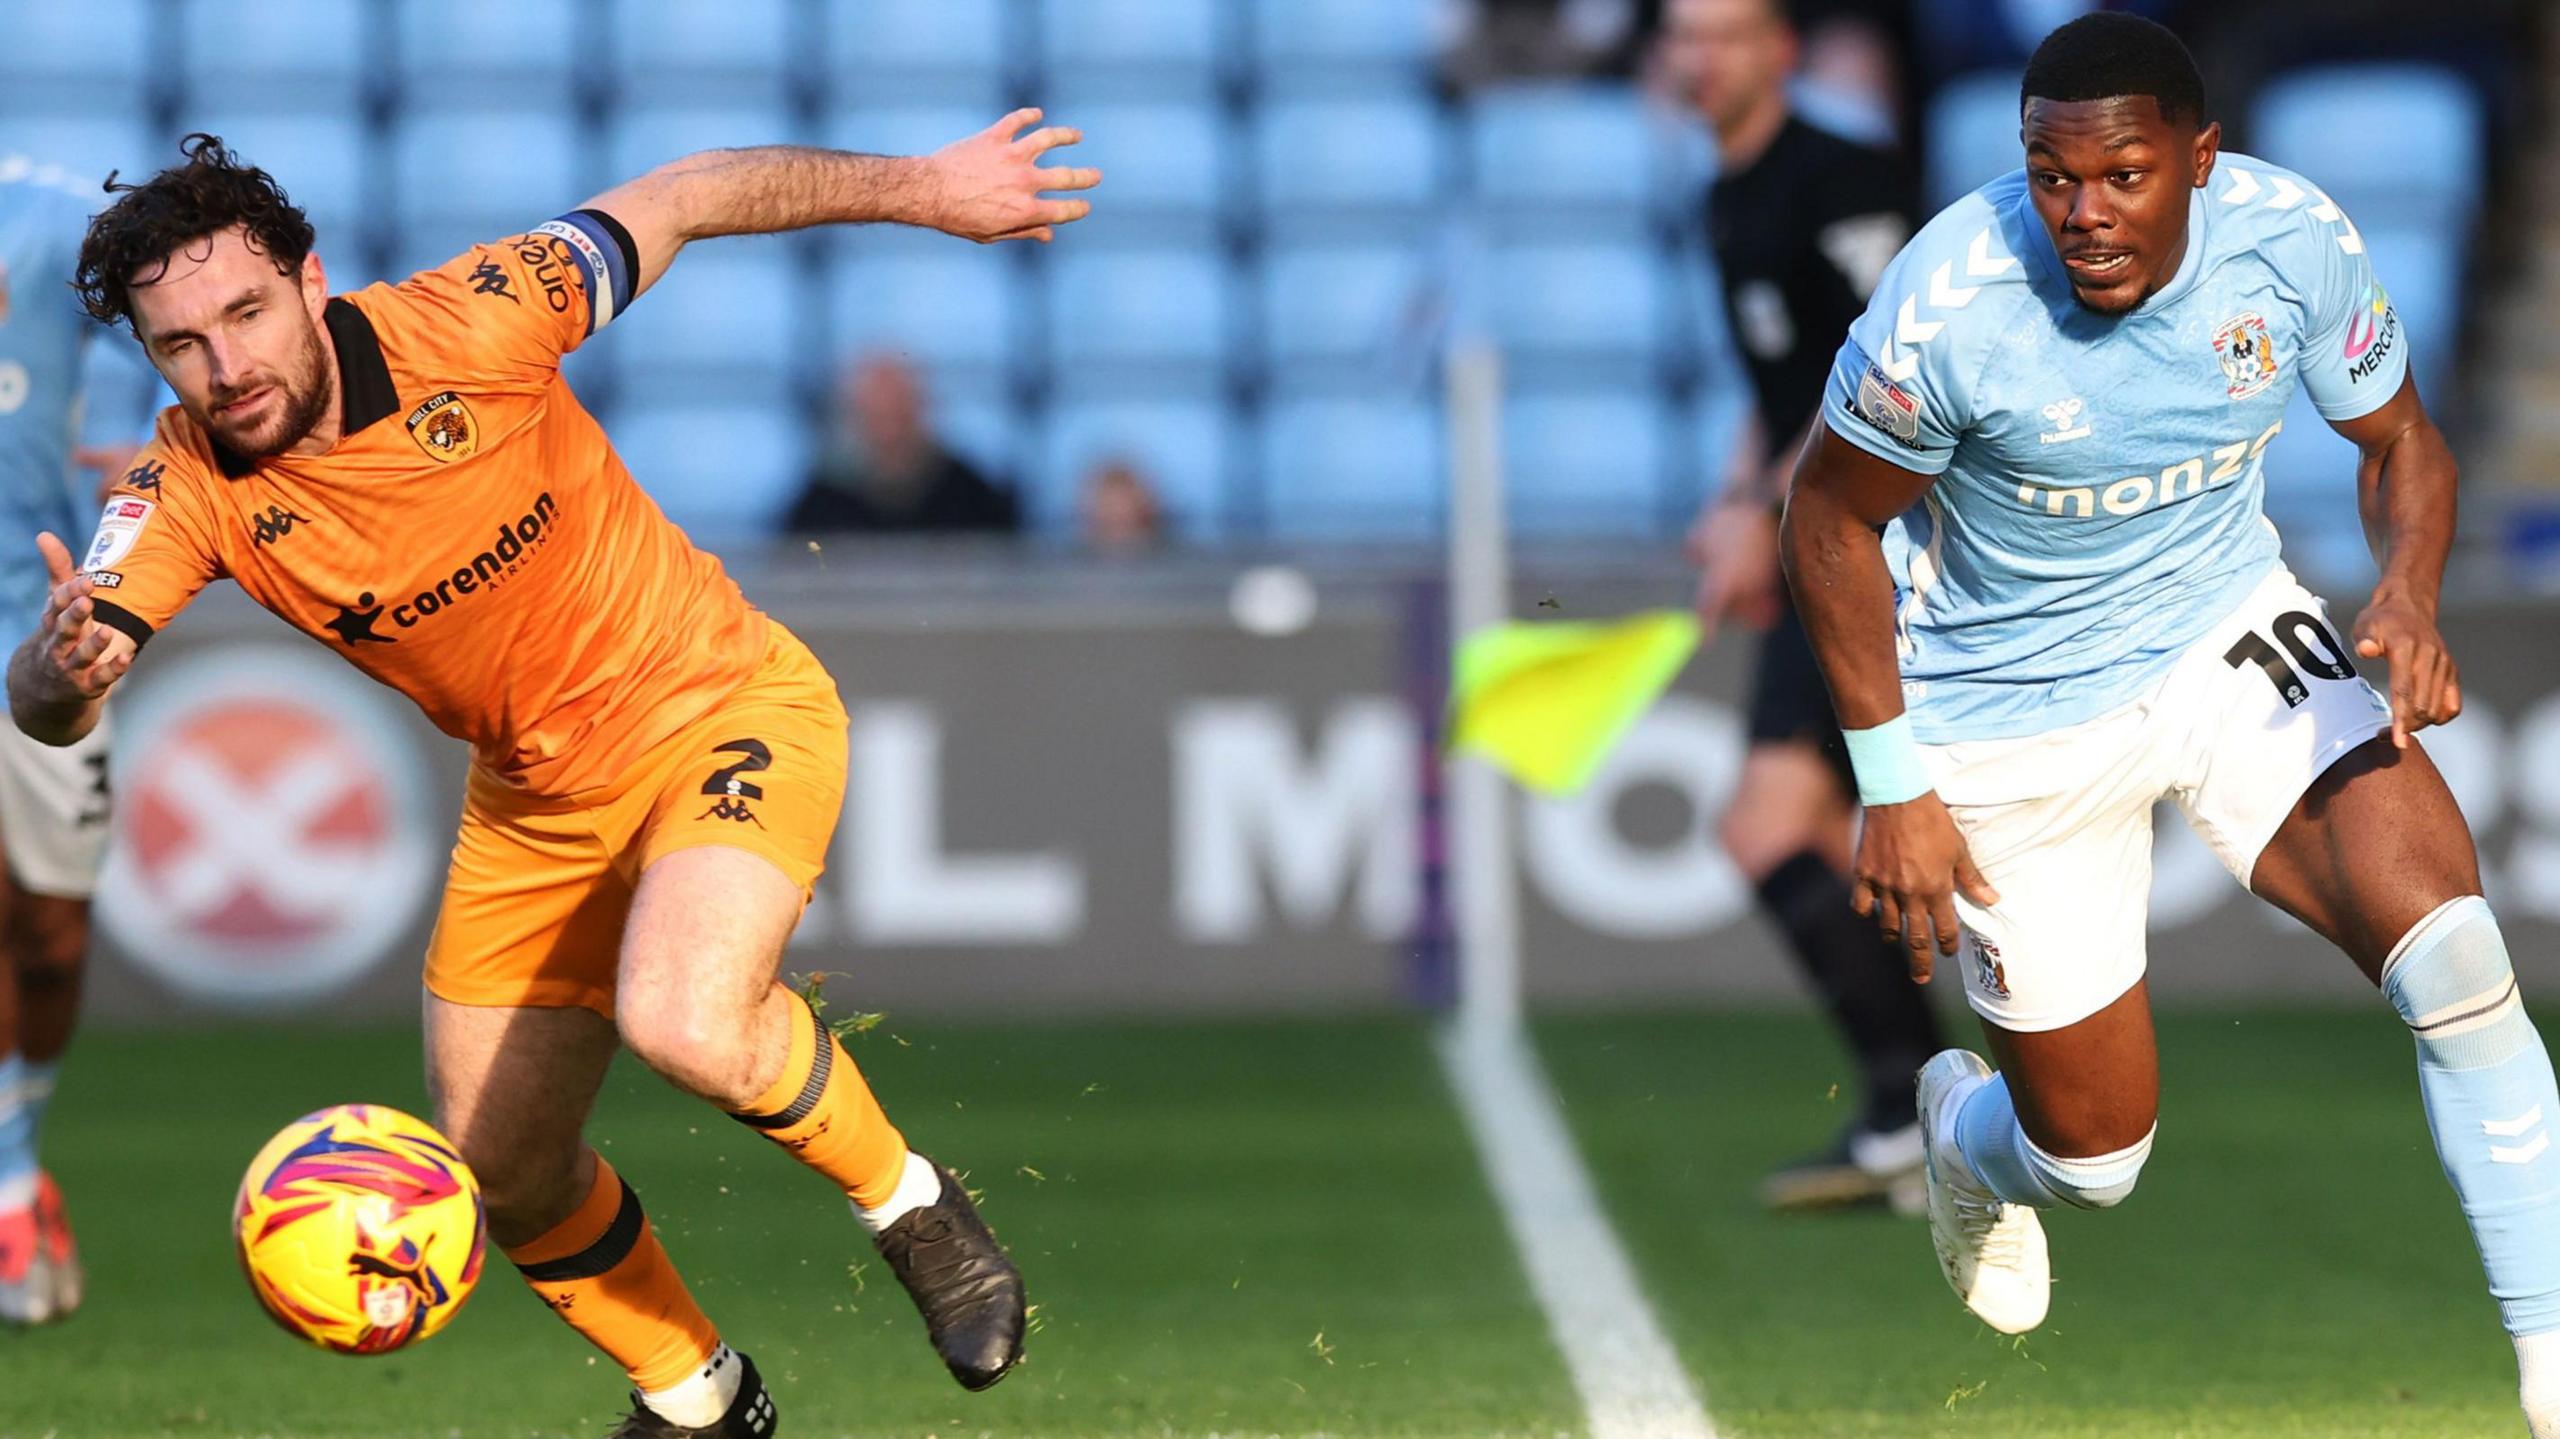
x: 1589, y: 463
x: 1352, y: 469
x: 311, y: 52
x: 442, y: 47
x: 327, y: 166
x: 948, y: 304
x: 641, y: 137
x: 1319, y: 35
x: 725, y: 473
x: 1379, y: 152
x: 1166, y: 309
x: 1165, y: 159
x: 904, y: 44
x: 2311, y: 496
x: 1170, y: 41
x: 1973, y: 135
x: 742, y: 47
x: 2421, y: 267
x: 1344, y: 308
x: 1564, y: 150
x: 57, y: 53
x: 2389, y: 142
x: 84, y: 144
x: 473, y: 173
x: 1181, y: 448
x: 1589, y: 299
x: 724, y: 320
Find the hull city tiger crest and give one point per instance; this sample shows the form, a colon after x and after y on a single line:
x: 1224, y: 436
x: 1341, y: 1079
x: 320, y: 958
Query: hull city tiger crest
x: 444, y: 428
x: 2247, y: 352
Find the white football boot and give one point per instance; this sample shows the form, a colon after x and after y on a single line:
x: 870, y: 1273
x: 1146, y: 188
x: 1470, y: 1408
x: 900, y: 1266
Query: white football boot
x: 1991, y: 1251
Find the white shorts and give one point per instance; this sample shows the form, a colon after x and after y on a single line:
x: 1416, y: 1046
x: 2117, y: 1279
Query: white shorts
x: 2060, y: 822
x: 53, y: 812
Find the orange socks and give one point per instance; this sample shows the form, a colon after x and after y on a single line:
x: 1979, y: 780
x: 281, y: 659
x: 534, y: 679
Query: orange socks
x: 824, y: 1114
x: 603, y: 1270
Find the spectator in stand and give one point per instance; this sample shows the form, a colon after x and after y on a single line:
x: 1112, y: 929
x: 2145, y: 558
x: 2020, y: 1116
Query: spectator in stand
x: 1119, y: 513
x: 885, y: 472
x: 1491, y: 41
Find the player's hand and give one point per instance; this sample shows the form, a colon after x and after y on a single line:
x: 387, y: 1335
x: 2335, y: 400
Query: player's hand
x: 1735, y: 547
x: 988, y: 187
x: 107, y: 462
x: 78, y: 659
x: 1912, y: 861
x: 2426, y: 688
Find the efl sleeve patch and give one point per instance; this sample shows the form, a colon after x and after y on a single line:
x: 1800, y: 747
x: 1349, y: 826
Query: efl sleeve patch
x: 118, y: 530
x: 608, y: 262
x: 1889, y: 407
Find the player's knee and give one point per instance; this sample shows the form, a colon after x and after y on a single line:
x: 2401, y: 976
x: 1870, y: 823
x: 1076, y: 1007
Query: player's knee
x: 48, y: 947
x: 526, y: 1187
x: 700, y: 1050
x: 2450, y: 980
x: 2100, y: 1181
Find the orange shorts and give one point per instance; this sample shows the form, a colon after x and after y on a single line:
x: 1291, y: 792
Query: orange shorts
x: 534, y: 904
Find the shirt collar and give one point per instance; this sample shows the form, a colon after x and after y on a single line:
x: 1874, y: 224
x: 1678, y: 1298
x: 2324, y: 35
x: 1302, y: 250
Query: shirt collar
x: 365, y: 392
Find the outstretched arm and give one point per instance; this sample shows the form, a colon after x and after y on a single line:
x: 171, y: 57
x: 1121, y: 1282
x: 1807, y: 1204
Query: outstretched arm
x: 1911, y: 858
x: 58, y: 679
x: 2405, y: 485
x: 986, y: 187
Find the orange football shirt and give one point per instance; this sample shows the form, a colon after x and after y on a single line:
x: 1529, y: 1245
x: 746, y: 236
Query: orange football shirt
x: 472, y: 540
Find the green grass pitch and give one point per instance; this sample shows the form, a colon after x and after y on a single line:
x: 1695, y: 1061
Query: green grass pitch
x: 1277, y: 1228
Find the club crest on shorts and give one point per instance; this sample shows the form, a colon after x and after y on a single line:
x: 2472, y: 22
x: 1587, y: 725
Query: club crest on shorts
x: 2247, y: 352
x: 1987, y: 972
x: 444, y: 428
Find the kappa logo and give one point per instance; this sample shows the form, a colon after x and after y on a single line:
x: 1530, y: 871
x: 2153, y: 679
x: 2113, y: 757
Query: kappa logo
x: 2064, y: 415
x: 488, y: 279
x: 444, y: 428
x: 733, y: 791
x: 2247, y: 353
x: 145, y: 476
x: 274, y: 525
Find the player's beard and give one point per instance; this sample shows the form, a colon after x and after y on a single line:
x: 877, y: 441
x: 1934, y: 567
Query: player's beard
x: 306, y: 392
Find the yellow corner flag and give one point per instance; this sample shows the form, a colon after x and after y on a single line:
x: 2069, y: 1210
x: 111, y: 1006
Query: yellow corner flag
x: 1545, y: 702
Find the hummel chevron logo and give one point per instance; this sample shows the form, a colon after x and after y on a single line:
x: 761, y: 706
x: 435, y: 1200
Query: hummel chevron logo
x: 2283, y: 194
x: 2509, y: 1129
x: 1897, y: 363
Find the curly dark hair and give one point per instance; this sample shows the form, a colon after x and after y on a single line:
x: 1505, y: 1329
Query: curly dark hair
x: 213, y: 191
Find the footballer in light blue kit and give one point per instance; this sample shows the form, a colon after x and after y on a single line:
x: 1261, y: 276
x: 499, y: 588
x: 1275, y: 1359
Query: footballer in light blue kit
x: 2056, y: 407
x: 53, y: 802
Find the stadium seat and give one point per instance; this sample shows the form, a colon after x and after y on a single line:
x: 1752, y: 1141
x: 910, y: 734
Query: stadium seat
x: 945, y: 303
x: 1167, y: 159
x: 728, y: 318
x: 873, y: 44
x: 1368, y: 154
x: 1973, y: 135
x: 311, y: 52
x: 1562, y: 149
x: 83, y: 145
x: 2389, y: 142
x: 58, y: 51
x: 326, y: 165
x: 485, y: 47
x: 1182, y: 449
x: 1584, y: 464
x: 1343, y: 306
x: 1581, y: 299
x: 2311, y: 496
x: 473, y: 173
x: 1352, y: 469
x: 640, y: 137
x: 2421, y: 268
x: 1322, y: 34
x: 726, y: 474
x: 1173, y: 41
x: 733, y: 48
x: 1169, y: 308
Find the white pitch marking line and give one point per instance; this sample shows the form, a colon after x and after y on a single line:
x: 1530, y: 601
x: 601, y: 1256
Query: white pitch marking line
x: 1631, y: 1382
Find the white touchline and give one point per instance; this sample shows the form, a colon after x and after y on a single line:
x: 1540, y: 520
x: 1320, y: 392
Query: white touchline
x: 1631, y: 1382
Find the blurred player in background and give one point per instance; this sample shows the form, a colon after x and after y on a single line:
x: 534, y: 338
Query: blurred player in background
x: 2056, y: 407
x: 53, y: 802
x: 1803, y: 223
x: 402, y: 474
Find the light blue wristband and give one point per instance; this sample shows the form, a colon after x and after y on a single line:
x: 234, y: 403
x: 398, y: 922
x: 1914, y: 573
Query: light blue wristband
x: 1887, y: 761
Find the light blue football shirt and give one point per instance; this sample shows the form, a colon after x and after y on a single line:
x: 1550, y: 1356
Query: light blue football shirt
x: 2099, y: 500
x: 43, y: 377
